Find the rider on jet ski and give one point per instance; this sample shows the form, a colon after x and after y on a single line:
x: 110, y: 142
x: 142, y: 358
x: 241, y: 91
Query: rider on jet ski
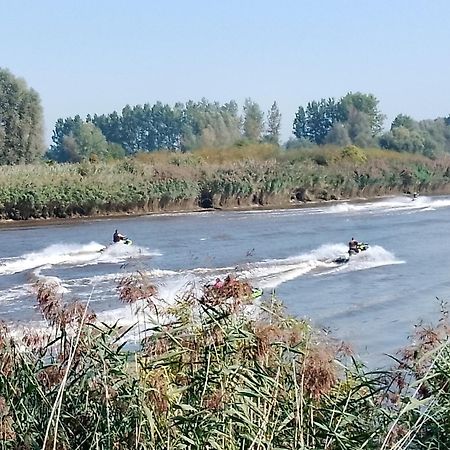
x: 117, y: 237
x: 353, y: 247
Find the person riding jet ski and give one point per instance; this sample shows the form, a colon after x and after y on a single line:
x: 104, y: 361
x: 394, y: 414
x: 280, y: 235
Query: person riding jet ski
x: 117, y: 237
x: 353, y: 246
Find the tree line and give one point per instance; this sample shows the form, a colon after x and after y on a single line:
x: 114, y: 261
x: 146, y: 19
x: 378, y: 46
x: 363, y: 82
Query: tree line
x: 144, y: 128
x: 354, y: 119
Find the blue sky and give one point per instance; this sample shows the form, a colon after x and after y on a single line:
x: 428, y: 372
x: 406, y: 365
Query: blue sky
x: 97, y: 56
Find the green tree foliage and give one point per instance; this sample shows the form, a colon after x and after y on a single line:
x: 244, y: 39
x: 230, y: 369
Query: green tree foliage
x: 21, y: 123
x: 299, y: 126
x: 295, y: 143
x: 316, y: 121
x: 273, y: 125
x: 355, y: 119
x: 142, y: 128
x: 207, y: 124
x: 363, y: 103
x: 405, y: 121
x: 339, y: 135
x: 90, y: 141
x: 358, y: 124
x: 437, y: 136
x: 63, y: 129
x: 75, y: 140
x: 183, y: 127
x: 428, y: 137
x: 110, y: 125
x: 253, y: 121
x: 403, y: 139
x: 115, y: 151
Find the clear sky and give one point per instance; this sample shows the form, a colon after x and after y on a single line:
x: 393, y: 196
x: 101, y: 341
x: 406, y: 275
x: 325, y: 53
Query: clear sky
x: 97, y: 56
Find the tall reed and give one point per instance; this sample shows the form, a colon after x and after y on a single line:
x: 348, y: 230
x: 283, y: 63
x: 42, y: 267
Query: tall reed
x: 240, y: 176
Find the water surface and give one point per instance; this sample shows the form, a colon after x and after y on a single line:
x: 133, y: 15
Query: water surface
x: 373, y: 301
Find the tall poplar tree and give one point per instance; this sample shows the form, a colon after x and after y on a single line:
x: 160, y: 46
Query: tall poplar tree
x: 273, y: 124
x: 253, y: 121
x: 21, y: 121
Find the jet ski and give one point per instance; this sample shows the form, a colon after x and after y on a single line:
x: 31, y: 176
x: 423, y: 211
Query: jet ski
x: 361, y: 247
x: 256, y: 293
x: 125, y: 241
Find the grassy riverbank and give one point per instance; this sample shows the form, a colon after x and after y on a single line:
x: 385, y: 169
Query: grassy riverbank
x: 212, y: 372
x: 259, y: 175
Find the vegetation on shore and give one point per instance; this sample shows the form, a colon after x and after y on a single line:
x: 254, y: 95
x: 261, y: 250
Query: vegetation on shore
x: 211, y: 372
x: 208, y: 155
x: 246, y: 176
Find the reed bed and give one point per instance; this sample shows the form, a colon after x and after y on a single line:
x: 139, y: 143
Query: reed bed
x: 213, y: 370
x: 239, y: 176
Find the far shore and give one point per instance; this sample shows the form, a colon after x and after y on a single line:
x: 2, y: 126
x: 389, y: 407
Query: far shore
x: 36, y: 222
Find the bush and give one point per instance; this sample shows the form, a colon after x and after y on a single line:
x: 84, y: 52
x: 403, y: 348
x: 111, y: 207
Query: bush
x: 354, y: 154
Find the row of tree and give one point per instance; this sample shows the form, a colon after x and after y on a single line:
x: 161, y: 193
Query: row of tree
x: 356, y: 119
x: 352, y: 119
x: 151, y: 127
x: 428, y: 137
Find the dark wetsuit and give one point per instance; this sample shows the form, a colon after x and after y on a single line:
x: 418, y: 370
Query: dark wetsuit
x: 353, y: 247
x: 117, y: 237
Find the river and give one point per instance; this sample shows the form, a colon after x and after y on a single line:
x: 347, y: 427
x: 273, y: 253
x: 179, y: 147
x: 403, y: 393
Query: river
x: 372, y: 302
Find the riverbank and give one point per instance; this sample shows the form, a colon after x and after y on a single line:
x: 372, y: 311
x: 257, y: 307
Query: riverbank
x: 36, y: 222
x: 188, y: 183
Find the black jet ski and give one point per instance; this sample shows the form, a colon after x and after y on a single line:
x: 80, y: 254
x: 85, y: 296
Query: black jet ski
x: 361, y: 247
x: 125, y: 241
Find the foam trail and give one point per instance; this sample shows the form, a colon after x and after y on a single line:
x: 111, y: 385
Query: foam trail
x: 434, y: 204
x: 54, y: 254
x: 52, y: 281
x: 157, y: 274
x: 404, y: 203
x: 176, y: 288
x: 391, y: 204
x: 119, y: 251
x: 11, y: 295
x: 374, y: 256
x: 72, y: 254
x: 272, y: 273
x: 266, y: 274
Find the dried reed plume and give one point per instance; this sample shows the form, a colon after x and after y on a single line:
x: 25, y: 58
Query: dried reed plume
x: 230, y: 297
x: 319, y: 372
x: 51, y: 305
x: 133, y: 288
